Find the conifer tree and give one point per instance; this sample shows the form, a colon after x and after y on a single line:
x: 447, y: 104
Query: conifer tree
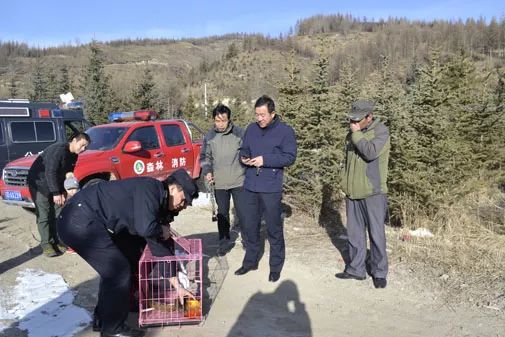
x: 189, y: 109
x: 387, y: 93
x: 469, y: 120
x: 13, y: 88
x: 291, y: 107
x: 491, y: 140
x: 328, y: 136
x: 348, y: 91
x: 39, y: 82
x: 428, y: 156
x: 64, y: 80
x: 96, y: 87
x: 144, y: 94
x: 292, y: 92
x: 53, y: 87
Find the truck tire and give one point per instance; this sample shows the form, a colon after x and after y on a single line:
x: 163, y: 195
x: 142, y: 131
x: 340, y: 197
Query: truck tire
x: 202, y: 186
x: 29, y: 210
x: 92, y: 182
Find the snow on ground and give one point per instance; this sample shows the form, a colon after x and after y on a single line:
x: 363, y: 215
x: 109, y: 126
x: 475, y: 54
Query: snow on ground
x: 202, y: 200
x: 42, y: 304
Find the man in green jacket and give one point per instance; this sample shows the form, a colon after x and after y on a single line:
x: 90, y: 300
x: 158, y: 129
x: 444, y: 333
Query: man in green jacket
x: 364, y: 183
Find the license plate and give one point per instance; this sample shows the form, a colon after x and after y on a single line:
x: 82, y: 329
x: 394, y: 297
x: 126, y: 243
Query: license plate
x: 13, y: 195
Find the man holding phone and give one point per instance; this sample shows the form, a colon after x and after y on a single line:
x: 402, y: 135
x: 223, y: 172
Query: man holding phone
x: 268, y: 147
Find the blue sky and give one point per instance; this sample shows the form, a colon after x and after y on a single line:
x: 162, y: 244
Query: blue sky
x: 53, y: 22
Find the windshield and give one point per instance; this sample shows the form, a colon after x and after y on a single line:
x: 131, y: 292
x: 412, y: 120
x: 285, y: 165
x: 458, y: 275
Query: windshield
x: 105, y: 138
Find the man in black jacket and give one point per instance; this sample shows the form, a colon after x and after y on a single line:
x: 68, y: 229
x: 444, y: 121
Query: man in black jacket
x: 104, y: 223
x: 45, y: 180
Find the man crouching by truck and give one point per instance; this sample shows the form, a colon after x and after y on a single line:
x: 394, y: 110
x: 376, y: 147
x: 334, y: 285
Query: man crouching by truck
x: 106, y: 224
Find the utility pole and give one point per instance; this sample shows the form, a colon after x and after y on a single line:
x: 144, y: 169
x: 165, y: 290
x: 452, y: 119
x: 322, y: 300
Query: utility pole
x: 169, y: 112
x: 205, y: 98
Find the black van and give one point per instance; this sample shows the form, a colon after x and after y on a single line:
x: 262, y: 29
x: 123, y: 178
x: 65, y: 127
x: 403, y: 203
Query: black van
x: 27, y: 128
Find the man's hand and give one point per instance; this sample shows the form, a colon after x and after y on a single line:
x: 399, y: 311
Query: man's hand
x: 354, y: 127
x: 181, y: 291
x: 166, y: 234
x: 59, y: 199
x: 257, y: 161
x: 209, y: 177
x: 245, y: 160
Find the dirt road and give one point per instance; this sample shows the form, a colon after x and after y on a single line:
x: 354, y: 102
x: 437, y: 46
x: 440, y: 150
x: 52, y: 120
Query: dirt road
x: 307, y: 301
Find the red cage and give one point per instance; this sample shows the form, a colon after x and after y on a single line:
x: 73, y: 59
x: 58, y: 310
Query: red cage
x: 158, y: 301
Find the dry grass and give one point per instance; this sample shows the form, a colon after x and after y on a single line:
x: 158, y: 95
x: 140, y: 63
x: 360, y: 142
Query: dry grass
x: 466, y: 256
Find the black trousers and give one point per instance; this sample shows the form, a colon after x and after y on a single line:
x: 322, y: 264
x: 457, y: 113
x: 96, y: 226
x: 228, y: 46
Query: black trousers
x: 223, y: 209
x: 114, y: 257
x: 268, y: 207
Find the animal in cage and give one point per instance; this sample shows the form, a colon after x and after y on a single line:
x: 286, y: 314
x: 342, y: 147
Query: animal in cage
x: 159, y: 277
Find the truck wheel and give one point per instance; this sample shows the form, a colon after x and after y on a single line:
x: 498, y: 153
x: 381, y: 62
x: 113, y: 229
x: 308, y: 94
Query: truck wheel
x: 92, y: 182
x: 202, y: 186
x: 29, y: 209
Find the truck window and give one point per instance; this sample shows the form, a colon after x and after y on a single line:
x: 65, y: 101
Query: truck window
x: 105, y: 138
x: 147, y: 137
x: 1, y: 134
x: 172, y: 134
x: 23, y: 132
x: 73, y: 127
x: 196, y: 133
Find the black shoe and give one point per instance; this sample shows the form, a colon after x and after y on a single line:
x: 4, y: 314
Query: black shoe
x: 124, y: 331
x: 274, y: 276
x: 379, y: 282
x: 244, y: 270
x: 346, y: 276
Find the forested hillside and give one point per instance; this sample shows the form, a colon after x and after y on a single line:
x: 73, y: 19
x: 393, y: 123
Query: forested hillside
x: 439, y: 85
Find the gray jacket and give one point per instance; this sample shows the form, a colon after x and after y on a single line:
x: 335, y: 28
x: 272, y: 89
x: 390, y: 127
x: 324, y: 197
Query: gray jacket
x: 220, y: 156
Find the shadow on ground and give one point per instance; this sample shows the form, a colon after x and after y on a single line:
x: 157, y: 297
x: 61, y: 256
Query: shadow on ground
x: 20, y: 259
x: 330, y: 218
x: 279, y: 314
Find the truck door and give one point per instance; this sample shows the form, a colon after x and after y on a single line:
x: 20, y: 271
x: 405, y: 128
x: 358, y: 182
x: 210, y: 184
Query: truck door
x: 149, y: 161
x: 177, y: 147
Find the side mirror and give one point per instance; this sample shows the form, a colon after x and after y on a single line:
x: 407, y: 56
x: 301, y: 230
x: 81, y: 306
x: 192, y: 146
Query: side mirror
x: 132, y: 146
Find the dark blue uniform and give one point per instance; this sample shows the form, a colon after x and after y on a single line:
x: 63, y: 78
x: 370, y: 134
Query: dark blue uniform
x: 106, y: 224
x: 263, y: 188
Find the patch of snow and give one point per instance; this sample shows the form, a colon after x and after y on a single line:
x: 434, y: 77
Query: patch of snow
x: 42, y: 303
x: 421, y: 233
x: 202, y: 200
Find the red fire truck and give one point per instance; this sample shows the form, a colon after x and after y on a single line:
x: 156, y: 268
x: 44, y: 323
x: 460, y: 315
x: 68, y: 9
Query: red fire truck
x: 133, y: 144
